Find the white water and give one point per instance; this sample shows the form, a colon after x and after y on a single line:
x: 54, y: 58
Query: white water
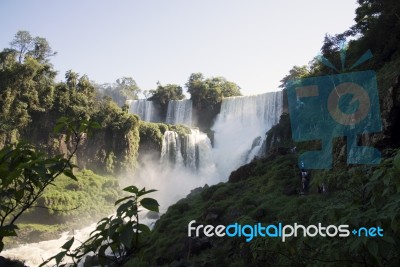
x: 143, y: 108
x: 241, y: 120
x: 179, y: 112
x: 194, y: 151
x: 188, y: 163
x: 35, y: 253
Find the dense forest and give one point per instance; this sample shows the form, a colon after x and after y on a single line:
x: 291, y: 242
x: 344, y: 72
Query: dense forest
x: 63, y: 145
x: 88, y: 124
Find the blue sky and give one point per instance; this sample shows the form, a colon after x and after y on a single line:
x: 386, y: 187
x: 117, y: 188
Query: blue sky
x: 253, y: 43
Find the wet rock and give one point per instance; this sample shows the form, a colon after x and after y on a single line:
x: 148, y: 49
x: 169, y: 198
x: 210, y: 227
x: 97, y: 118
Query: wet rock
x: 197, y: 191
x: 242, y: 173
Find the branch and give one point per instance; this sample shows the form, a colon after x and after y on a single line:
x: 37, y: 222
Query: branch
x: 41, y: 190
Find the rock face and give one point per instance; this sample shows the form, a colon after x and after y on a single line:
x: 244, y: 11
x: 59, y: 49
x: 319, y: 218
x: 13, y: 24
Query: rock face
x: 390, y: 110
x: 242, y: 173
x: 109, y: 150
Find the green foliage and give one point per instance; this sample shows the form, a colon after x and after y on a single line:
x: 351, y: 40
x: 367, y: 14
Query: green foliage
x: 30, y: 96
x: 207, y: 95
x: 67, y: 205
x: 151, y: 135
x: 123, y: 89
x: 165, y: 93
x: 359, y: 196
x: 25, y: 174
x: 209, y: 92
x: 24, y: 89
x: 151, y: 138
x: 296, y: 72
x: 36, y: 47
x: 121, y: 233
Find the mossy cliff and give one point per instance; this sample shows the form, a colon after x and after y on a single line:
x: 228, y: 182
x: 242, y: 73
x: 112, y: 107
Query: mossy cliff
x: 151, y: 138
x: 269, y: 190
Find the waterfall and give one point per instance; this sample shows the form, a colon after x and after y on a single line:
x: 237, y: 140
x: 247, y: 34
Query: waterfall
x: 179, y: 112
x: 241, y: 121
x: 239, y: 136
x: 143, y: 108
x: 189, y: 161
x: 192, y: 151
x: 171, y: 149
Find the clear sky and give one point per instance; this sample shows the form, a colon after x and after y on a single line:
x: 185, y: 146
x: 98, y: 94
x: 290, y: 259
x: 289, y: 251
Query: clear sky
x: 253, y: 43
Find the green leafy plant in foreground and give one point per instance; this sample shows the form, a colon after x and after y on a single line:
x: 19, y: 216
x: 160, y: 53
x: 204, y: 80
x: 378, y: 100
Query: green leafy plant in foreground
x: 117, y: 237
x: 26, y: 173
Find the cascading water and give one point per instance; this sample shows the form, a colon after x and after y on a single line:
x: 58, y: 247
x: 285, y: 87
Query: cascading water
x: 239, y: 134
x: 190, y: 161
x: 192, y: 151
x: 171, y: 150
x: 179, y: 112
x: 243, y: 119
x: 143, y: 108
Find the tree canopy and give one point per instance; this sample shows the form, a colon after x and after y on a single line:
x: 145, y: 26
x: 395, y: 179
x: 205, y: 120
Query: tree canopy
x: 37, y: 47
x: 209, y: 92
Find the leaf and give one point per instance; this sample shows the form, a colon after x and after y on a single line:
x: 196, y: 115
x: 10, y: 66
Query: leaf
x: 121, y: 200
x: 94, y: 125
x: 144, y: 192
x: 45, y: 262
x: 131, y: 189
x: 127, y: 235
x: 8, y: 230
x: 150, y: 204
x: 59, y: 257
x: 102, y: 251
x: 124, y: 207
x: 70, y: 174
x: 58, y: 127
x: 68, y: 244
x: 19, y: 195
x: 143, y: 228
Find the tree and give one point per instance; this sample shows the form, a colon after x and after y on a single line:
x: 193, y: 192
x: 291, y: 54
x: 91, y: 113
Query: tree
x: 26, y: 173
x: 25, y: 89
x: 377, y: 28
x: 120, y: 234
x: 165, y: 93
x: 22, y: 43
x: 295, y: 72
x: 71, y: 78
x: 207, y: 95
x: 128, y: 87
x: 41, y: 50
x: 209, y: 92
x: 38, y: 47
x: 123, y: 89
